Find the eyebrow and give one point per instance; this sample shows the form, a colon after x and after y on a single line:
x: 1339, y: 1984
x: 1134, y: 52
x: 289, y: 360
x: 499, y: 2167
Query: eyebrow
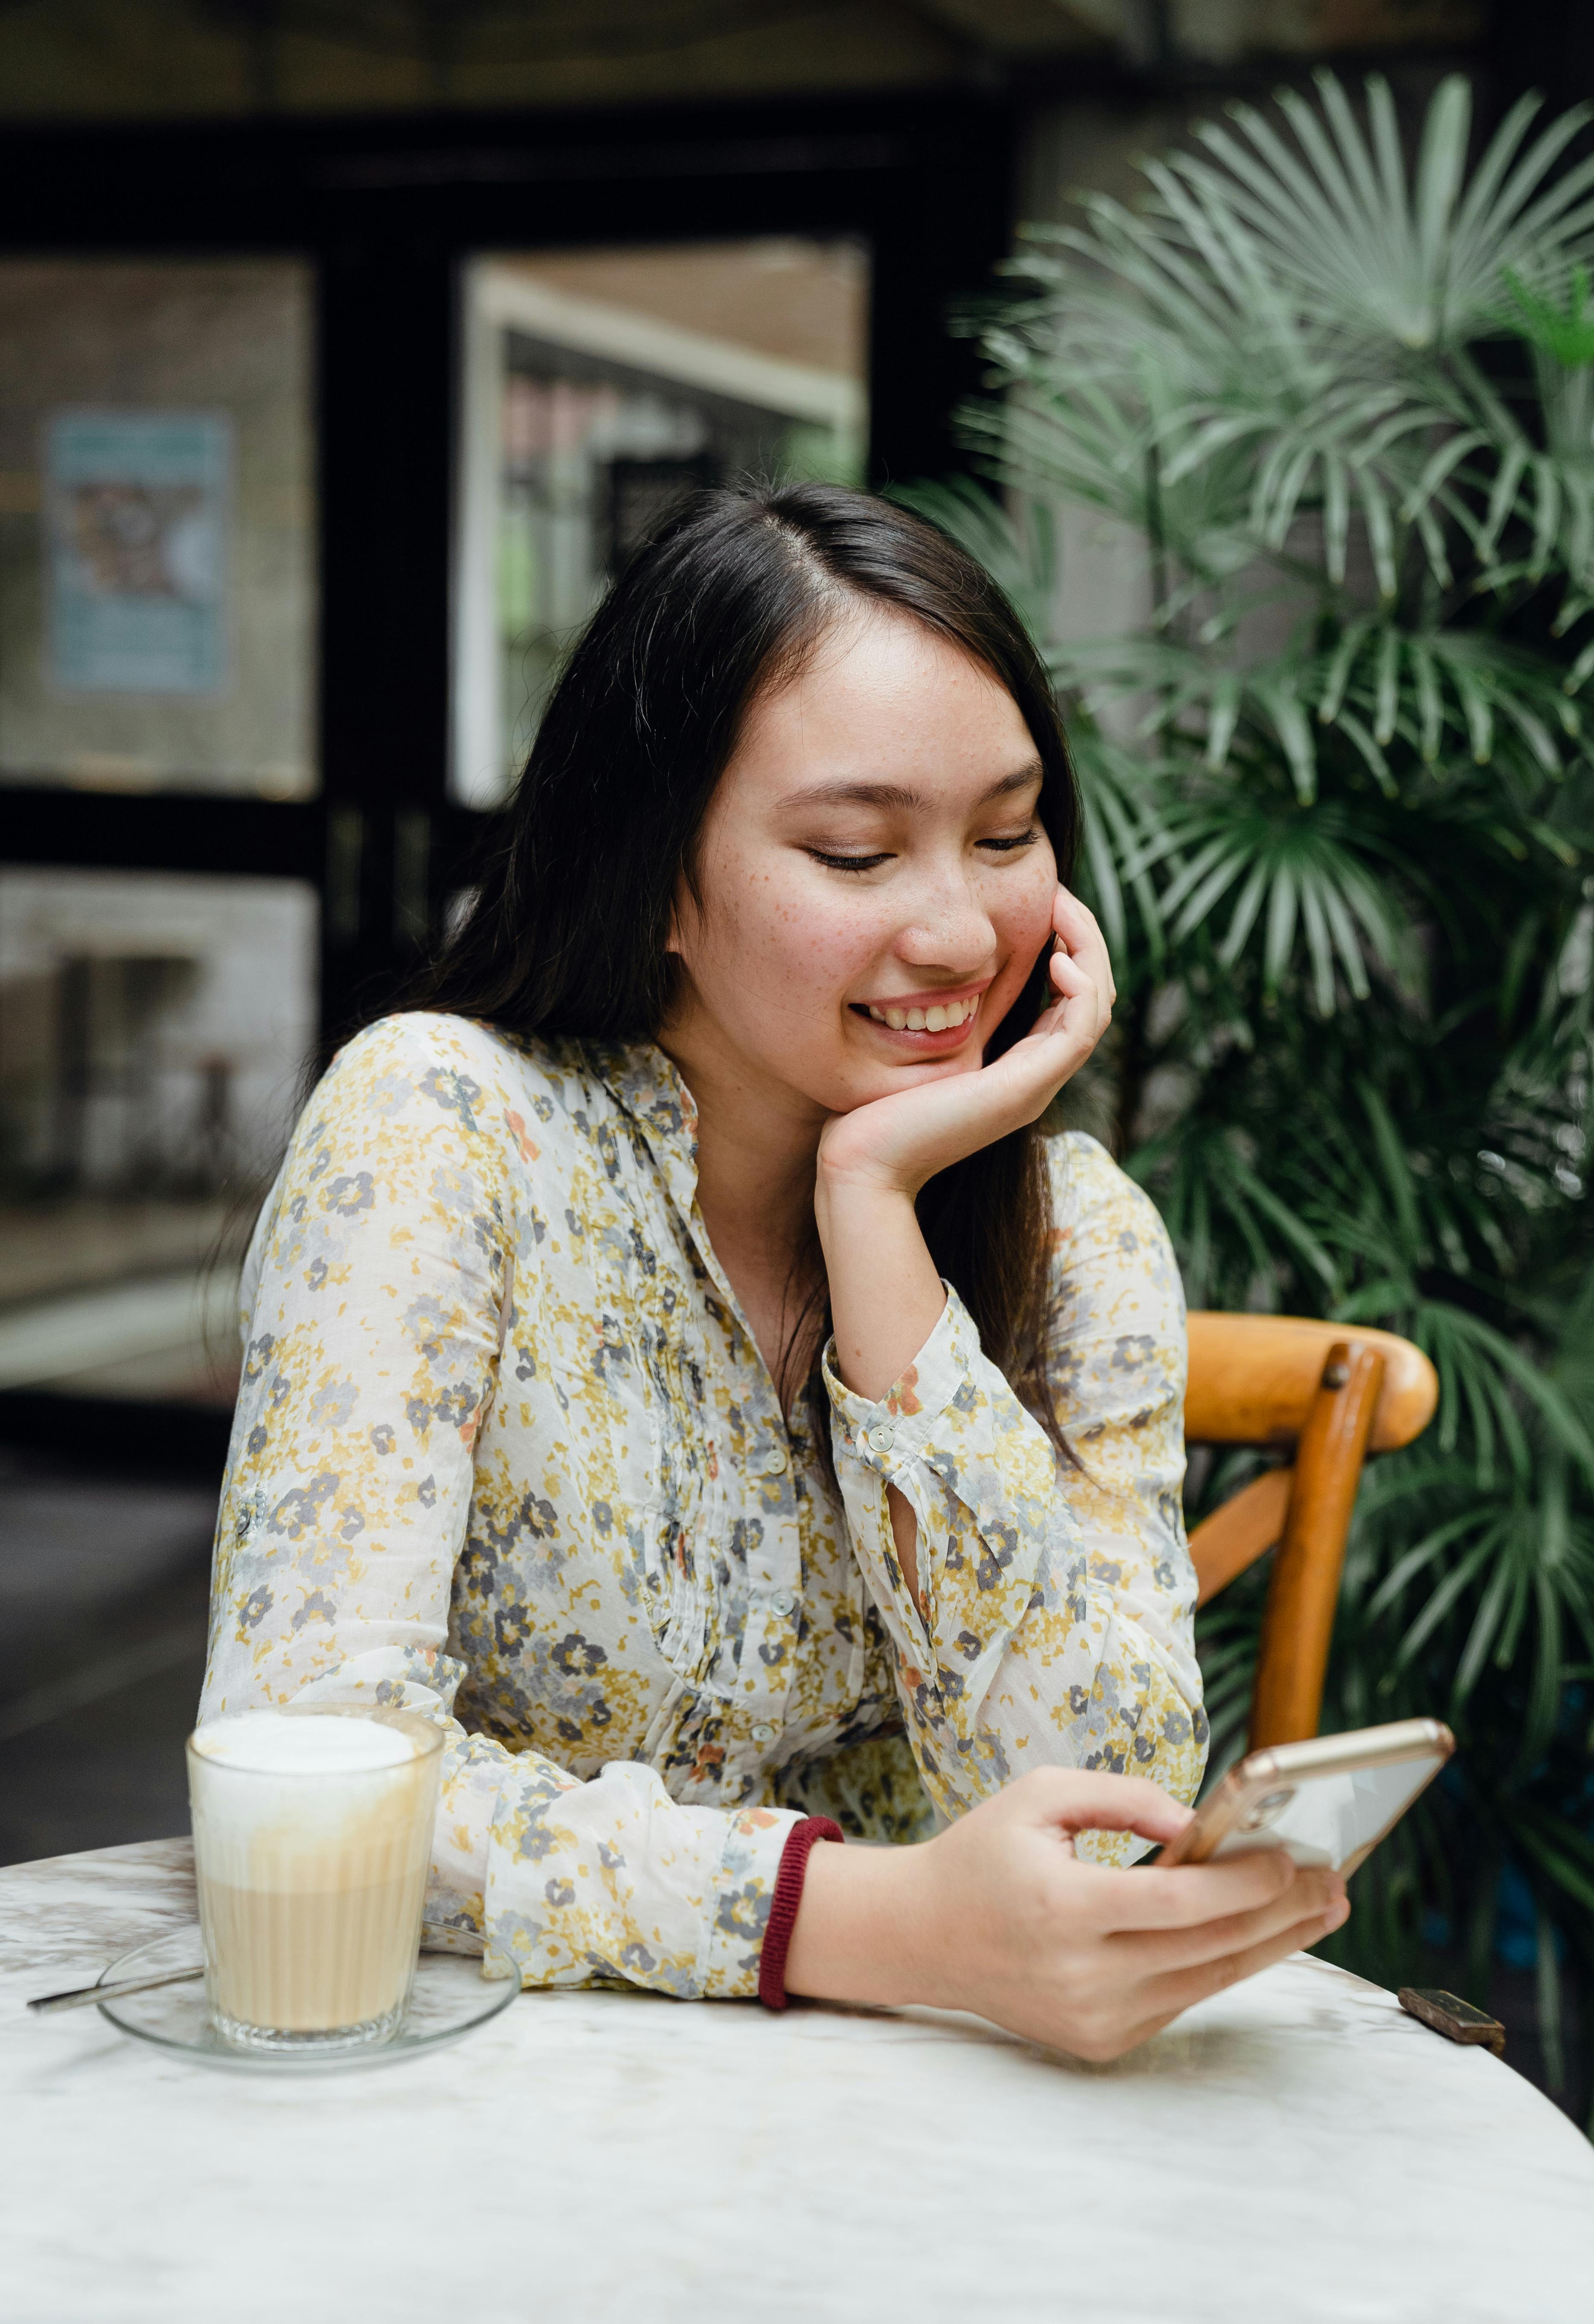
x: 888, y: 795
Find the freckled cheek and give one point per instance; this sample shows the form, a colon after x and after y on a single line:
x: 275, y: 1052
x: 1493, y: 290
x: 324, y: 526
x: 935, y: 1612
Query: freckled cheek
x: 844, y: 939
x: 792, y: 955
x: 1021, y: 909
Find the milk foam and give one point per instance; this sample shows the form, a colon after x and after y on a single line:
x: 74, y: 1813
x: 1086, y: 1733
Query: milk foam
x: 301, y: 1743
x: 292, y: 1788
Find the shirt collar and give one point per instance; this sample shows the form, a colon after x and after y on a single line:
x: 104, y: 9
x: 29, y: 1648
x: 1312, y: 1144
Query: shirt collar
x: 643, y: 1080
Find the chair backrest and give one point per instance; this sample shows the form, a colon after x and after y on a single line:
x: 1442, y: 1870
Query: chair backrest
x: 1332, y: 1392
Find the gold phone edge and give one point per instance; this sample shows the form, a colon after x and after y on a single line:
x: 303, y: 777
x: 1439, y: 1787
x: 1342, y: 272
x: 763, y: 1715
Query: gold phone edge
x: 1322, y: 1755
x: 1348, y: 1755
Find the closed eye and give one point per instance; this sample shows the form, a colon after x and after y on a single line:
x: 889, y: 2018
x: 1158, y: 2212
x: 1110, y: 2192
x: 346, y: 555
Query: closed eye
x: 1008, y: 845
x: 847, y: 863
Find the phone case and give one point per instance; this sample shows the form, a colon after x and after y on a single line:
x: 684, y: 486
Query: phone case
x: 1457, y: 2020
x: 1243, y: 1800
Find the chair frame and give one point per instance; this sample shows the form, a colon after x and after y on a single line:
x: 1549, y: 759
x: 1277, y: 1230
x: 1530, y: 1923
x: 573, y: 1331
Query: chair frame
x: 1333, y: 1394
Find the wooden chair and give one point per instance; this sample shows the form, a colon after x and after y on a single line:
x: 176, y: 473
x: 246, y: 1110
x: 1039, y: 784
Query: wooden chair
x: 1334, y: 1392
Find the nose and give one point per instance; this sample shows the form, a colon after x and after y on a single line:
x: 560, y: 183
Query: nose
x: 948, y: 928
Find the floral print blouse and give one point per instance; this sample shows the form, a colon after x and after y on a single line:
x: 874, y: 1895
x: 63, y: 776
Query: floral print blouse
x: 506, y: 1451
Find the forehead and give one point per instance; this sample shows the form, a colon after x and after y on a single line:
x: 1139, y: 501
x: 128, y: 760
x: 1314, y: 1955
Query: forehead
x: 883, y: 701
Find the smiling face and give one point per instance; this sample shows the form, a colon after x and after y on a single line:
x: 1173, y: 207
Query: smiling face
x: 876, y: 886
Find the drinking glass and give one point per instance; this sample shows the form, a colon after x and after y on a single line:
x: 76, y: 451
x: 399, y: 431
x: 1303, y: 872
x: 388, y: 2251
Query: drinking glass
x: 312, y: 1884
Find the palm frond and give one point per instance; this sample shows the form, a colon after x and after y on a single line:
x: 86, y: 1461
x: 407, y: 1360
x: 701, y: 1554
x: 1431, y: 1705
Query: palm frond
x: 1340, y: 829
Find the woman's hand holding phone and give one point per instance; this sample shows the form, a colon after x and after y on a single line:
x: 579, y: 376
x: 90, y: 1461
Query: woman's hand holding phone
x: 999, y: 1915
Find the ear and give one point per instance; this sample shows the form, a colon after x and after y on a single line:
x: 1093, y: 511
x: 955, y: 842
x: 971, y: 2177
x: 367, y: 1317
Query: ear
x: 683, y: 914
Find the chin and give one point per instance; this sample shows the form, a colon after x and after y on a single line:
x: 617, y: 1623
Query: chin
x: 863, y: 1087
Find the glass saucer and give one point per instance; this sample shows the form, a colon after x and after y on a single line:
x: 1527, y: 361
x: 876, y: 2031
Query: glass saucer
x: 451, y: 1996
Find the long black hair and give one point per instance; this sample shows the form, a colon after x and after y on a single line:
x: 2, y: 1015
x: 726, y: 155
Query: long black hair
x: 567, y: 930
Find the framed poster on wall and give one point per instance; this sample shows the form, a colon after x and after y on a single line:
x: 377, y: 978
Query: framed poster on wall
x: 136, y: 545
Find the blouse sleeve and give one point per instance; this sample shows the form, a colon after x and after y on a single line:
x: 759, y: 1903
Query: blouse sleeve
x: 1053, y: 1621
x: 378, y: 1294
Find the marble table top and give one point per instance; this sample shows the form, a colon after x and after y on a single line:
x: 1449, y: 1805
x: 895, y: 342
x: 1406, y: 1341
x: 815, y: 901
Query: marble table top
x: 1296, y: 2150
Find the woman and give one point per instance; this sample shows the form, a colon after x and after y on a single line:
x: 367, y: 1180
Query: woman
x: 677, y: 1358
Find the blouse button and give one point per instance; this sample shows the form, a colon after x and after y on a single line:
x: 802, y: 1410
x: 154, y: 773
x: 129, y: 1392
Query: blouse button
x: 881, y: 1440
x: 775, y: 1459
x: 764, y: 1732
x: 781, y: 1602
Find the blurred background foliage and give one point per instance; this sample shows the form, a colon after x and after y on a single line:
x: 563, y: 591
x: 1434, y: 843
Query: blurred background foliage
x: 1330, y: 386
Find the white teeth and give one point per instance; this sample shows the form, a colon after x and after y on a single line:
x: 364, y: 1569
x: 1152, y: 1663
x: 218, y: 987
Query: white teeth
x: 942, y: 1019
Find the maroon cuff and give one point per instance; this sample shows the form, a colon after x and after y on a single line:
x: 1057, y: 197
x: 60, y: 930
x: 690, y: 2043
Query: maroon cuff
x: 783, y: 1910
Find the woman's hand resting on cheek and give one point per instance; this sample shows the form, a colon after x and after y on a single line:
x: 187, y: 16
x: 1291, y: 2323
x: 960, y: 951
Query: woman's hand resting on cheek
x: 896, y: 1143
x: 885, y: 1295
x: 996, y: 1915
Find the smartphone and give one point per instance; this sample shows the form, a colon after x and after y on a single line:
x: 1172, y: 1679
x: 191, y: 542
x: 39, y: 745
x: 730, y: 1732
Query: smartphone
x: 1330, y: 1801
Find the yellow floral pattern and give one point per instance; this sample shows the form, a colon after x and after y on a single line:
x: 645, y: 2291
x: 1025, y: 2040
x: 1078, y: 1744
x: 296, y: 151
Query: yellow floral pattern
x: 504, y: 1452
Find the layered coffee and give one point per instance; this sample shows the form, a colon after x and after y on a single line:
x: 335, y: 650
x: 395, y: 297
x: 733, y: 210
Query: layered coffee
x: 313, y: 1838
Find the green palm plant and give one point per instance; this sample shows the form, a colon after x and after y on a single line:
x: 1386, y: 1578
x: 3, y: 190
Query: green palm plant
x: 1341, y: 798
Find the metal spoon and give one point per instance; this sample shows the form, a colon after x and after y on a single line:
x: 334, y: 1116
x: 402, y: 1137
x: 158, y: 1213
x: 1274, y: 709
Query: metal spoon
x: 82, y: 1996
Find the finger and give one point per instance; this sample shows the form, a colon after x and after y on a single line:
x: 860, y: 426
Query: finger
x: 1088, y: 984
x: 1080, y: 932
x: 1186, y: 1895
x: 1181, y: 1990
x: 1074, y: 1008
x: 1165, y: 1997
x: 1156, y: 1951
x: 1056, y: 1045
x: 1072, y: 981
x: 1074, y: 921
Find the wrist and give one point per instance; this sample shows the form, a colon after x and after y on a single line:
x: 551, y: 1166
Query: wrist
x: 864, y: 1927
x: 885, y: 1293
x: 844, y: 1196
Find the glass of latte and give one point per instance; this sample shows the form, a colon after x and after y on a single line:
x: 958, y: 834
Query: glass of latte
x: 313, y: 1838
